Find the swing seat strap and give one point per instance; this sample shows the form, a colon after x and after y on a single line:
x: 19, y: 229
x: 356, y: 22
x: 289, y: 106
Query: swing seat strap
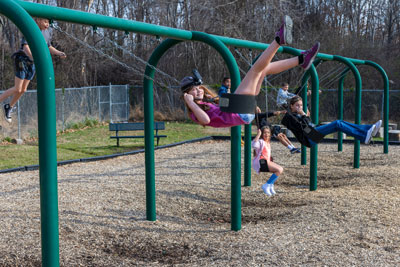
x: 235, y: 103
x: 308, y: 130
x: 313, y: 134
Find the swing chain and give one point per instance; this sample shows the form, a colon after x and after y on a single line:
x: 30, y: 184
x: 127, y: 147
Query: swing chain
x: 106, y: 55
x: 138, y: 58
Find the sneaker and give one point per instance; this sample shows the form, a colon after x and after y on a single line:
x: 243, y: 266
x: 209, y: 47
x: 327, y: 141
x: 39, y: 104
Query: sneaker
x: 7, y: 112
x: 295, y: 150
x: 271, y: 189
x: 369, y: 134
x: 285, y: 31
x: 378, y: 125
x: 266, y: 188
x: 309, y: 56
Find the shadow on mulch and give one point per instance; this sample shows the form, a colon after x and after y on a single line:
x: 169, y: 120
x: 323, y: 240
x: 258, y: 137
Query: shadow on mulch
x: 255, y: 211
x: 162, y: 252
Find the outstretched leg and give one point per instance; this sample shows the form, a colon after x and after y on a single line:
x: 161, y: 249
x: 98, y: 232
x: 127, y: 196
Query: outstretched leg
x: 19, y: 88
x: 358, y: 131
x: 305, y: 60
x: 19, y: 92
x: 253, y: 78
x: 18, y: 84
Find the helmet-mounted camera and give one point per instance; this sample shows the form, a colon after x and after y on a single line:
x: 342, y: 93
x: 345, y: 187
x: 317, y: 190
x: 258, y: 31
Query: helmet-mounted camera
x: 190, y: 81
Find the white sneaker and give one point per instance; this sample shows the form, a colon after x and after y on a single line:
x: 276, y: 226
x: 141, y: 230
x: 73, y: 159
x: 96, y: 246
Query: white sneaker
x: 271, y: 189
x: 378, y: 125
x: 266, y: 188
x: 369, y: 134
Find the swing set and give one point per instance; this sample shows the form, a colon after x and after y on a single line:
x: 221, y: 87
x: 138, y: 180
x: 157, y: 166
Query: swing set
x: 20, y: 12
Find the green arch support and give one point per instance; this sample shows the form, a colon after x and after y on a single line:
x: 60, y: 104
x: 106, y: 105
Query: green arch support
x: 149, y: 121
x: 312, y: 72
x: 149, y: 126
x: 357, y: 119
x: 15, y: 11
x: 385, y: 104
x: 340, y: 105
x: 47, y: 129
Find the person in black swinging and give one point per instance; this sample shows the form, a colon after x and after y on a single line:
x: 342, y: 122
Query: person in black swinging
x: 307, y: 134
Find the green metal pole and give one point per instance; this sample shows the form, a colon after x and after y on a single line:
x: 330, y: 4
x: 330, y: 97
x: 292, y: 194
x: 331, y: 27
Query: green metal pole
x: 304, y: 96
x: 235, y: 131
x: 357, y: 76
x: 385, y: 104
x: 77, y: 16
x: 236, y: 205
x: 47, y: 129
x: 247, y: 155
x: 305, y: 100
x: 340, y: 111
x: 149, y: 127
x: 314, y: 112
x: 315, y: 120
x: 341, y: 106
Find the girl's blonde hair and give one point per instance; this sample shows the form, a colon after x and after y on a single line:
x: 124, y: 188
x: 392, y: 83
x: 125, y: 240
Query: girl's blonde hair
x: 209, y: 97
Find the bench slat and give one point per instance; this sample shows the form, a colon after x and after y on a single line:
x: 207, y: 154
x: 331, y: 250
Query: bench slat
x: 134, y: 136
x: 127, y: 136
x: 134, y: 126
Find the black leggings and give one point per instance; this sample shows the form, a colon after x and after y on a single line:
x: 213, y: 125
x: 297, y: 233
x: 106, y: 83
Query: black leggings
x: 263, y: 165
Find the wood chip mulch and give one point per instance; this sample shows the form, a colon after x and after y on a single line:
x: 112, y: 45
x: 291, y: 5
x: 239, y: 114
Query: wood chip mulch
x: 352, y: 219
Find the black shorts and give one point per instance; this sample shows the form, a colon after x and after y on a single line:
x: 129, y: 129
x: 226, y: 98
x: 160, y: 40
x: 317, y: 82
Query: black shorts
x: 23, y: 67
x: 263, y: 165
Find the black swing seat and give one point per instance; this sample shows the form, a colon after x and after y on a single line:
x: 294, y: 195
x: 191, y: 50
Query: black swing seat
x: 235, y: 103
x: 313, y: 134
x: 307, y: 128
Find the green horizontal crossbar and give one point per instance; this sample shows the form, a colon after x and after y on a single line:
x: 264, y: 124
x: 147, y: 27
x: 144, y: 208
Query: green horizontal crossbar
x: 76, y: 16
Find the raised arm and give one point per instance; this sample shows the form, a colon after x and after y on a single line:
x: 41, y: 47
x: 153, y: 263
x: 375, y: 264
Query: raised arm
x: 200, y: 114
x: 56, y: 52
x: 257, y: 136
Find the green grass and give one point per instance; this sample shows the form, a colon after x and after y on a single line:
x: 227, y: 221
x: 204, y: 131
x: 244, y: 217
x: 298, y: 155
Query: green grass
x: 90, y: 139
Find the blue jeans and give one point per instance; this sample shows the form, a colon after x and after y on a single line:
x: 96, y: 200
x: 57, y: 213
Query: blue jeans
x: 357, y: 131
x: 247, y: 118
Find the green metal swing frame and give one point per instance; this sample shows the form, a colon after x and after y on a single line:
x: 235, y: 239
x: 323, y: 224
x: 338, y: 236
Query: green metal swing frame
x: 20, y: 13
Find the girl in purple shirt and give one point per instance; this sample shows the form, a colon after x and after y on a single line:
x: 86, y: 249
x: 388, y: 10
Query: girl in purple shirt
x: 200, y: 101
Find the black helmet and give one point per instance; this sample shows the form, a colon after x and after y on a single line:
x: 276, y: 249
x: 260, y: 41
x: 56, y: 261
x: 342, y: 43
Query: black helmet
x: 190, y: 81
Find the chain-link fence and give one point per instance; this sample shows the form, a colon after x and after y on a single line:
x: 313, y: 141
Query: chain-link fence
x: 371, y: 105
x: 102, y: 103
x: 76, y: 104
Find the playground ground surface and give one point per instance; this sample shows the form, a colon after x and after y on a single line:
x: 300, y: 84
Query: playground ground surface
x: 353, y: 219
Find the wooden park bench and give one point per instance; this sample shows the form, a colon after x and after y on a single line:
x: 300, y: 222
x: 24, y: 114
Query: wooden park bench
x: 135, y: 126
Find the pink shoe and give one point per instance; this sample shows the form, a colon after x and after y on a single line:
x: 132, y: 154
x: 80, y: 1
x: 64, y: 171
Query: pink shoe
x: 309, y: 56
x: 285, y: 31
